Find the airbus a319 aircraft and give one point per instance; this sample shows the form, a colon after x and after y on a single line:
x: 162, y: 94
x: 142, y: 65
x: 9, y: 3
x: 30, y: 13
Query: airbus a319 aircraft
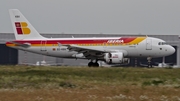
x: 112, y: 50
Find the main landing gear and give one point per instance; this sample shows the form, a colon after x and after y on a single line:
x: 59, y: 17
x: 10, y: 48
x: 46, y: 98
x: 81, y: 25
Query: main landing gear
x: 93, y: 64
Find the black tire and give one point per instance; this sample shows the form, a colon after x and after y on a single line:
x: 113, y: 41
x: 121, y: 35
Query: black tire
x: 90, y: 64
x: 96, y: 64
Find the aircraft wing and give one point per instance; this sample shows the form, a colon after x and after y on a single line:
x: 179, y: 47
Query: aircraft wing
x: 87, y: 52
x: 81, y: 49
x: 25, y: 45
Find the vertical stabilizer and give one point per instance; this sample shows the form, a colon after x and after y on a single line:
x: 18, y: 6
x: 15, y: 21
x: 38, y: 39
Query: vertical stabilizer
x: 21, y: 26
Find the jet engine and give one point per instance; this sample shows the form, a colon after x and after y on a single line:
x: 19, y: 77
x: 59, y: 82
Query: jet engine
x: 115, y: 58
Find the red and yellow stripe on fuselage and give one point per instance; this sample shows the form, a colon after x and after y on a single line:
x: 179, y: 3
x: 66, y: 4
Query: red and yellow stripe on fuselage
x: 81, y: 42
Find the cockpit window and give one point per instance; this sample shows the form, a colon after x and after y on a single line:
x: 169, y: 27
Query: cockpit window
x: 162, y: 43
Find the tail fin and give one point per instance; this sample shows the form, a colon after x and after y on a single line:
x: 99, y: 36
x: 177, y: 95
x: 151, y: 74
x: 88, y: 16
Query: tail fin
x: 21, y: 26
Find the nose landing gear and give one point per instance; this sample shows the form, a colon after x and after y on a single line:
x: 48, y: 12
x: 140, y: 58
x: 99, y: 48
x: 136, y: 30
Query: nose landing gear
x: 149, y: 62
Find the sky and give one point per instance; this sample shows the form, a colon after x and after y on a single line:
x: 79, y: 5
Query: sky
x: 146, y: 17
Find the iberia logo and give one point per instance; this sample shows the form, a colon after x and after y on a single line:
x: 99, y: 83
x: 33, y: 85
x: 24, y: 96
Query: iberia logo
x: 21, y: 28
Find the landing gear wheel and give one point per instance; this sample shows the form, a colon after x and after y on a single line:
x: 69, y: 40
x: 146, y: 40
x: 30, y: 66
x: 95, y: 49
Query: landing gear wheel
x: 96, y: 64
x: 90, y: 64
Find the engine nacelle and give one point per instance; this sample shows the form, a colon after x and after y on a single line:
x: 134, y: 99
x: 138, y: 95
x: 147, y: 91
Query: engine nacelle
x: 115, y: 58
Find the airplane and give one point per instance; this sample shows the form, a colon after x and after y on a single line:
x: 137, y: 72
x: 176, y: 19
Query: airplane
x: 111, y: 50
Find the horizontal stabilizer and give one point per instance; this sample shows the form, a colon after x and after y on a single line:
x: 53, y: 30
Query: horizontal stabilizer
x: 25, y: 45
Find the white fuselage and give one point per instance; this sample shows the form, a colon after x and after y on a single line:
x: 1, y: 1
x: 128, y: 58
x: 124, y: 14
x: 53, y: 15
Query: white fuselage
x: 150, y: 47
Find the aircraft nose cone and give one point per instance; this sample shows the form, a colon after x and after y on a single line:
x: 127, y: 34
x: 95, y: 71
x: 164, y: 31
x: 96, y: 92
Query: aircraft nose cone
x: 171, y: 50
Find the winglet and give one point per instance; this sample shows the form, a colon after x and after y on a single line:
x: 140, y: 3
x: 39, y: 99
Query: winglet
x: 59, y: 44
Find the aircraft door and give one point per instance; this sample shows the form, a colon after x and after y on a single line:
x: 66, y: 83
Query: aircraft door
x: 43, y: 46
x: 148, y: 44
